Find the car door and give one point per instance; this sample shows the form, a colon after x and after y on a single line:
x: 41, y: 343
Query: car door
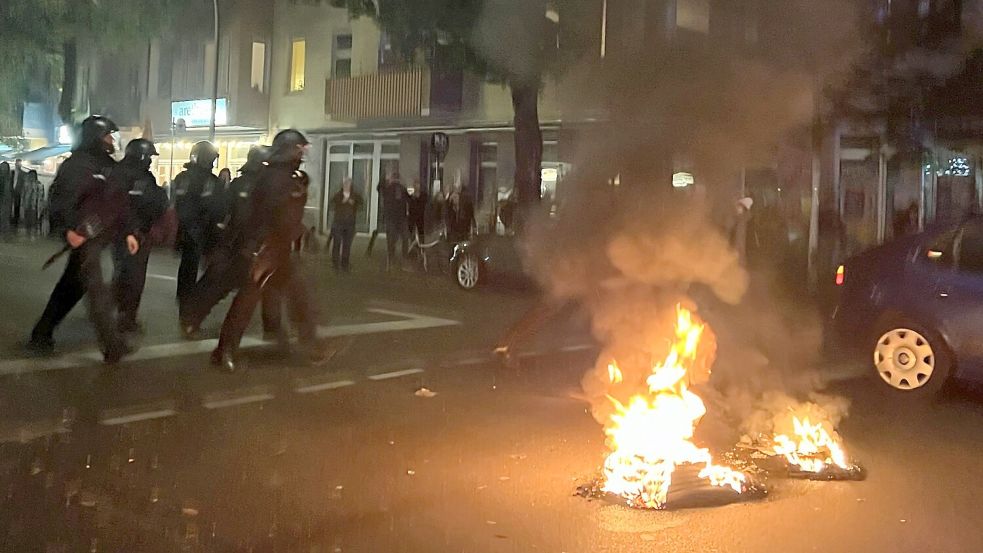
x: 960, y: 297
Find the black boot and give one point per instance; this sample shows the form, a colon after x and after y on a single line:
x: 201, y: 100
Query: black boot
x: 224, y: 361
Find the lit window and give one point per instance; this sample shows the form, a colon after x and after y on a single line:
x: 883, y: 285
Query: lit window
x: 298, y: 58
x: 693, y: 15
x: 341, y: 66
x: 257, y: 77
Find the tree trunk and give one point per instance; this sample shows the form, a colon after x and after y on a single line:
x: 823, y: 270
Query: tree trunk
x: 528, y: 147
x: 66, y: 105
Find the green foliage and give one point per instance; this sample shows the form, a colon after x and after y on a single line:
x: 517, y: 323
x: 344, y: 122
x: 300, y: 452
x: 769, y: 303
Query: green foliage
x: 35, y: 32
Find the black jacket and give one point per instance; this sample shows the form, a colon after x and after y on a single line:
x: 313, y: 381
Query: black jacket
x: 394, y: 202
x: 147, y: 201
x: 277, y: 208
x: 201, y: 203
x: 345, y: 213
x: 80, y: 195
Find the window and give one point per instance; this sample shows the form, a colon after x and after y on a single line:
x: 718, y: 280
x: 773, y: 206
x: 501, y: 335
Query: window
x: 341, y: 66
x: 298, y: 59
x: 257, y: 78
x: 487, y: 169
x: 971, y: 249
x: 693, y: 15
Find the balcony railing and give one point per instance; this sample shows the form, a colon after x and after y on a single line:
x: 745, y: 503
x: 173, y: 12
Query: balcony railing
x: 378, y: 96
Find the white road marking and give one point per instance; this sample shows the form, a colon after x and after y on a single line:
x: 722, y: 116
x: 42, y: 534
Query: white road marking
x: 33, y: 430
x: 233, y: 401
x: 312, y: 388
x: 137, y: 417
x: 394, y: 374
x: 162, y: 277
x: 409, y: 321
x: 579, y: 347
x: 473, y: 361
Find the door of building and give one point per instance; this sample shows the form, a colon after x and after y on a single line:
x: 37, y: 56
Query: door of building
x: 365, y: 162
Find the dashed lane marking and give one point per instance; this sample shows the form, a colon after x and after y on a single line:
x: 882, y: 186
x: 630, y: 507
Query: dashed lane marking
x: 313, y: 388
x: 394, y: 374
x: 233, y: 401
x: 162, y: 277
x: 138, y: 416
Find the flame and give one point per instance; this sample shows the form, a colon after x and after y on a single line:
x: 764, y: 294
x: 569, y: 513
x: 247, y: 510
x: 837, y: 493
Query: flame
x: 812, y: 448
x: 652, y: 434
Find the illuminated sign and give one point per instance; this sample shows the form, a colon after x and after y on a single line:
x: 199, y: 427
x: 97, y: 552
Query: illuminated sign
x: 198, y: 113
x: 549, y: 174
x: 682, y: 180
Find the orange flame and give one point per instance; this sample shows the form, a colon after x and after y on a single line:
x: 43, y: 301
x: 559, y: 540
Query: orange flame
x: 652, y: 434
x: 812, y: 448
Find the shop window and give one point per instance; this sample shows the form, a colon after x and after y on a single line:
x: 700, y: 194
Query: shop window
x: 298, y: 61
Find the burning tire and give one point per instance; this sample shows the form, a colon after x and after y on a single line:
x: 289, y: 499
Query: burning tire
x: 911, y: 359
x: 467, y: 271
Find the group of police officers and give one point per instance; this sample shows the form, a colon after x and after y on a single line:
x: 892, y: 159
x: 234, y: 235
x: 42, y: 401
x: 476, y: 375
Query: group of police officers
x: 244, y: 237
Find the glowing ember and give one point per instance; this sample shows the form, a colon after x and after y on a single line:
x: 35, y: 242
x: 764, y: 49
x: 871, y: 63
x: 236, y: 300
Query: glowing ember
x: 651, y: 435
x: 811, y: 448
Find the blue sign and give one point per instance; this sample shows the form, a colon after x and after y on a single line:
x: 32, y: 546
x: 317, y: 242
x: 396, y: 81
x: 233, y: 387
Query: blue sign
x: 198, y: 113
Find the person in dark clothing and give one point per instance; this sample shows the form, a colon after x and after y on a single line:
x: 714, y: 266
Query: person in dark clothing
x: 345, y: 204
x: 90, y: 212
x: 229, y: 269
x: 459, y: 216
x: 19, y: 184
x: 33, y: 199
x: 906, y: 221
x: 6, y: 196
x: 198, y: 196
x: 417, y: 210
x: 147, y: 204
x: 275, y: 223
x: 394, y: 198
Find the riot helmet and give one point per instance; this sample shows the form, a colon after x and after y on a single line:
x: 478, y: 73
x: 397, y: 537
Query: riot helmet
x: 204, y: 154
x: 140, y: 151
x: 288, y: 146
x: 257, y: 155
x: 95, y: 129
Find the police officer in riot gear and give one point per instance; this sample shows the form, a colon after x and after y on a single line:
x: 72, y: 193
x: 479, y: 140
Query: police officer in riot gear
x: 274, y: 224
x: 199, y: 200
x: 229, y: 269
x: 147, y: 204
x: 90, y: 213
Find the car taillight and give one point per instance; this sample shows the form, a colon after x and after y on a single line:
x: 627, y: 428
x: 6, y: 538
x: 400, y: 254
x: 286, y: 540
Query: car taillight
x: 840, y: 275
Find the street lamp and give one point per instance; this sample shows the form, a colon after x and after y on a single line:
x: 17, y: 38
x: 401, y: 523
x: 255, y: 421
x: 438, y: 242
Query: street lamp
x: 211, y: 124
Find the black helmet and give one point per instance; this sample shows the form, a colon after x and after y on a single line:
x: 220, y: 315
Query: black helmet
x: 204, y: 154
x: 288, y: 146
x: 257, y: 155
x: 94, y: 130
x: 140, y: 149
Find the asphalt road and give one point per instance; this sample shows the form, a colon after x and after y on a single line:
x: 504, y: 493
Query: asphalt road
x: 166, y: 455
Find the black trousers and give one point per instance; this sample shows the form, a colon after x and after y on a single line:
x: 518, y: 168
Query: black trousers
x: 82, y: 276
x: 341, y: 246
x: 228, y: 271
x: 129, y: 280
x: 288, y: 278
x: 397, y: 232
x: 187, y: 273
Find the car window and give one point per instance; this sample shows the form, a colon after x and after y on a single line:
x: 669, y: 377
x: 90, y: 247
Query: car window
x: 970, y: 250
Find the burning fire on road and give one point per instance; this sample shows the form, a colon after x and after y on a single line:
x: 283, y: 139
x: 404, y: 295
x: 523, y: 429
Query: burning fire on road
x: 650, y: 435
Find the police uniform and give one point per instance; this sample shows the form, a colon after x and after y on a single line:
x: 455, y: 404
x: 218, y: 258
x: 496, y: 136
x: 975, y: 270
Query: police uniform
x: 83, y: 200
x: 199, y: 200
x: 147, y: 204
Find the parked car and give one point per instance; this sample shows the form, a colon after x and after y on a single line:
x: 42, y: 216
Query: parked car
x: 914, y: 308
x: 487, y: 258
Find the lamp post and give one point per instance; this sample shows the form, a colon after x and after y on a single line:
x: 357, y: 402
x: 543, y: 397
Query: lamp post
x: 211, y: 125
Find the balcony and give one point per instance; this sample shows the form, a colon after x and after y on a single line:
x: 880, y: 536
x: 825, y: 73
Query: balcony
x: 393, y: 95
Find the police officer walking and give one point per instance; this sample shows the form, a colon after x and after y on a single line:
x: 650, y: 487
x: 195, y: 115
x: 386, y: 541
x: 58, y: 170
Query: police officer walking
x: 147, y: 204
x: 275, y: 223
x: 200, y: 203
x: 229, y: 269
x: 90, y: 213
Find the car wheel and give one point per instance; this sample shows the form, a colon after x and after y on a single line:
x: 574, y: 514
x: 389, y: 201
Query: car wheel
x: 911, y: 359
x: 468, y: 271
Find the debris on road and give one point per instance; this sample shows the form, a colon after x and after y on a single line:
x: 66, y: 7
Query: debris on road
x: 425, y: 392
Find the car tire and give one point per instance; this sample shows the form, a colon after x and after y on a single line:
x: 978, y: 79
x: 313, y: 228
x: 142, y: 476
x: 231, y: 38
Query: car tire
x: 467, y: 271
x: 910, y: 359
